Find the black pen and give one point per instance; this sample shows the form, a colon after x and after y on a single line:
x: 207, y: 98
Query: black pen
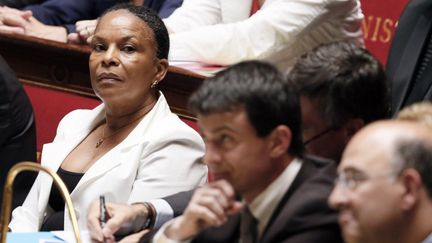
x: 103, y: 211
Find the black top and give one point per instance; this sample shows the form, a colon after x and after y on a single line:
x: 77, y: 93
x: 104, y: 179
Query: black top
x: 56, y: 201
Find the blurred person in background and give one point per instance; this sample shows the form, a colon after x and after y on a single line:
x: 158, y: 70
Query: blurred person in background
x: 342, y: 88
x: 17, y: 133
x: 54, y: 19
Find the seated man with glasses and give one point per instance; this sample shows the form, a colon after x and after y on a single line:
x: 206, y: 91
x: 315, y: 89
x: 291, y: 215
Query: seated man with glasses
x: 342, y: 87
x: 384, y: 185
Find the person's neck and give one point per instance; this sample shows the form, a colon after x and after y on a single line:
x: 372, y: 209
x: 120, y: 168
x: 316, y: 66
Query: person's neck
x: 114, y: 121
x: 421, y: 225
x: 416, y: 227
x: 279, y: 165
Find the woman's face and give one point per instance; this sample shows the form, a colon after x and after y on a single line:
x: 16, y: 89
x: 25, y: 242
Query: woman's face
x: 123, y: 62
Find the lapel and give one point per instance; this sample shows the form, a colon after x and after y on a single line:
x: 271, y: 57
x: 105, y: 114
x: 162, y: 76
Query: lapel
x: 421, y: 88
x: 406, y: 65
x: 428, y: 94
x: 72, y: 133
x: 305, y: 172
x: 123, y: 151
x: 227, y: 233
x: 75, y: 130
x: 314, y: 178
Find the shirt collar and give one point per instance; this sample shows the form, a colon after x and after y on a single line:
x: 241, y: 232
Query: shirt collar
x: 263, y: 206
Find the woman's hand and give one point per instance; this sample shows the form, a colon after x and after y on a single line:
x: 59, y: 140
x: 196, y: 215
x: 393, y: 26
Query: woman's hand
x: 120, y: 215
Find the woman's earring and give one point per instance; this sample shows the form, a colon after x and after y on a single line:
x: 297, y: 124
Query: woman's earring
x: 153, y: 85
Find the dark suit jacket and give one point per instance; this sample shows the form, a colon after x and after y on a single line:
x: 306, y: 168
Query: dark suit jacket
x: 302, y: 216
x: 18, y: 3
x: 163, y: 7
x: 67, y: 12
x: 17, y: 133
x: 405, y: 51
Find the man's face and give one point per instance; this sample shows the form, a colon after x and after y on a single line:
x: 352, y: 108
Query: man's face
x: 235, y: 153
x: 320, y: 139
x: 368, y: 192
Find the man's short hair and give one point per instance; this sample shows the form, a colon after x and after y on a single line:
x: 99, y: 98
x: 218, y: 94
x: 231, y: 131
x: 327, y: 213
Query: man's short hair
x: 347, y: 81
x: 261, y: 89
x: 416, y: 154
x: 418, y: 112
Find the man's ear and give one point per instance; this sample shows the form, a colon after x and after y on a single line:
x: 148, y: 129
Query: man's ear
x: 280, y: 141
x: 412, y: 184
x: 352, y: 126
x: 161, y: 69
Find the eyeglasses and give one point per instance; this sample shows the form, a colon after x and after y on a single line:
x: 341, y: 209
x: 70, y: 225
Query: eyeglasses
x: 352, y: 180
x: 317, y: 136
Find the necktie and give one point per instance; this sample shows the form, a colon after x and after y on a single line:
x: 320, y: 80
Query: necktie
x: 419, y: 86
x: 255, y: 7
x: 248, y: 227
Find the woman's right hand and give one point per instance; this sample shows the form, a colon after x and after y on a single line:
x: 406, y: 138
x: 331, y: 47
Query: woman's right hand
x: 120, y: 215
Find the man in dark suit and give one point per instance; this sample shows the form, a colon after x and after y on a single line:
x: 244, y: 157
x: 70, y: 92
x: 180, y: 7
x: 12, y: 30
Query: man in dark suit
x: 17, y: 132
x: 409, y: 67
x: 250, y: 121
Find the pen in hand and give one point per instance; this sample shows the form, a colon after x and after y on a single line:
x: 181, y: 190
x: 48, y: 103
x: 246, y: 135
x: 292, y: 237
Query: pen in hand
x: 104, y: 216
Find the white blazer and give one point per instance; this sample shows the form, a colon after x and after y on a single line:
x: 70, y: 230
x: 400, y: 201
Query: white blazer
x: 158, y: 158
x: 221, y: 31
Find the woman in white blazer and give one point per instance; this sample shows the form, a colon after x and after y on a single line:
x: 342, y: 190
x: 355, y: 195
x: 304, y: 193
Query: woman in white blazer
x: 131, y: 148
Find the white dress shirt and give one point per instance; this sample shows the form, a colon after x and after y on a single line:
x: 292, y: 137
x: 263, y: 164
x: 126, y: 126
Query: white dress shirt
x: 262, y: 206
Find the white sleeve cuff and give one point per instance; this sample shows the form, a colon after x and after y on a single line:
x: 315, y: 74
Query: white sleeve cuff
x: 164, y: 212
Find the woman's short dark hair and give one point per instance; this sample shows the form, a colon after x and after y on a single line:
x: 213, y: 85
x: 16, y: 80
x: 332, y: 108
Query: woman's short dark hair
x: 261, y: 89
x: 153, y: 21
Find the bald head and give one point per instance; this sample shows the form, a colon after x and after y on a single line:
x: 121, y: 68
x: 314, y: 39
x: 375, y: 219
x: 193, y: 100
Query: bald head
x: 384, y: 181
x: 392, y: 140
x: 390, y: 131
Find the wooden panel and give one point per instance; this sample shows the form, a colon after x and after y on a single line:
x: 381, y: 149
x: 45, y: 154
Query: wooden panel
x: 64, y: 67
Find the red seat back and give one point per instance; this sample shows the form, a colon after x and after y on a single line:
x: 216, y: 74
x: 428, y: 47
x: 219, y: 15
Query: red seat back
x: 379, y: 24
x: 50, y: 106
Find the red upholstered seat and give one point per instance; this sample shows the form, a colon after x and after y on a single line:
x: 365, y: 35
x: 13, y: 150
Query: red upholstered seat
x: 50, y: 106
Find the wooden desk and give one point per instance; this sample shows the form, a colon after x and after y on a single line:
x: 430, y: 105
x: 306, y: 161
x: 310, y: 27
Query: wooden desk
x: 64, y: 67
